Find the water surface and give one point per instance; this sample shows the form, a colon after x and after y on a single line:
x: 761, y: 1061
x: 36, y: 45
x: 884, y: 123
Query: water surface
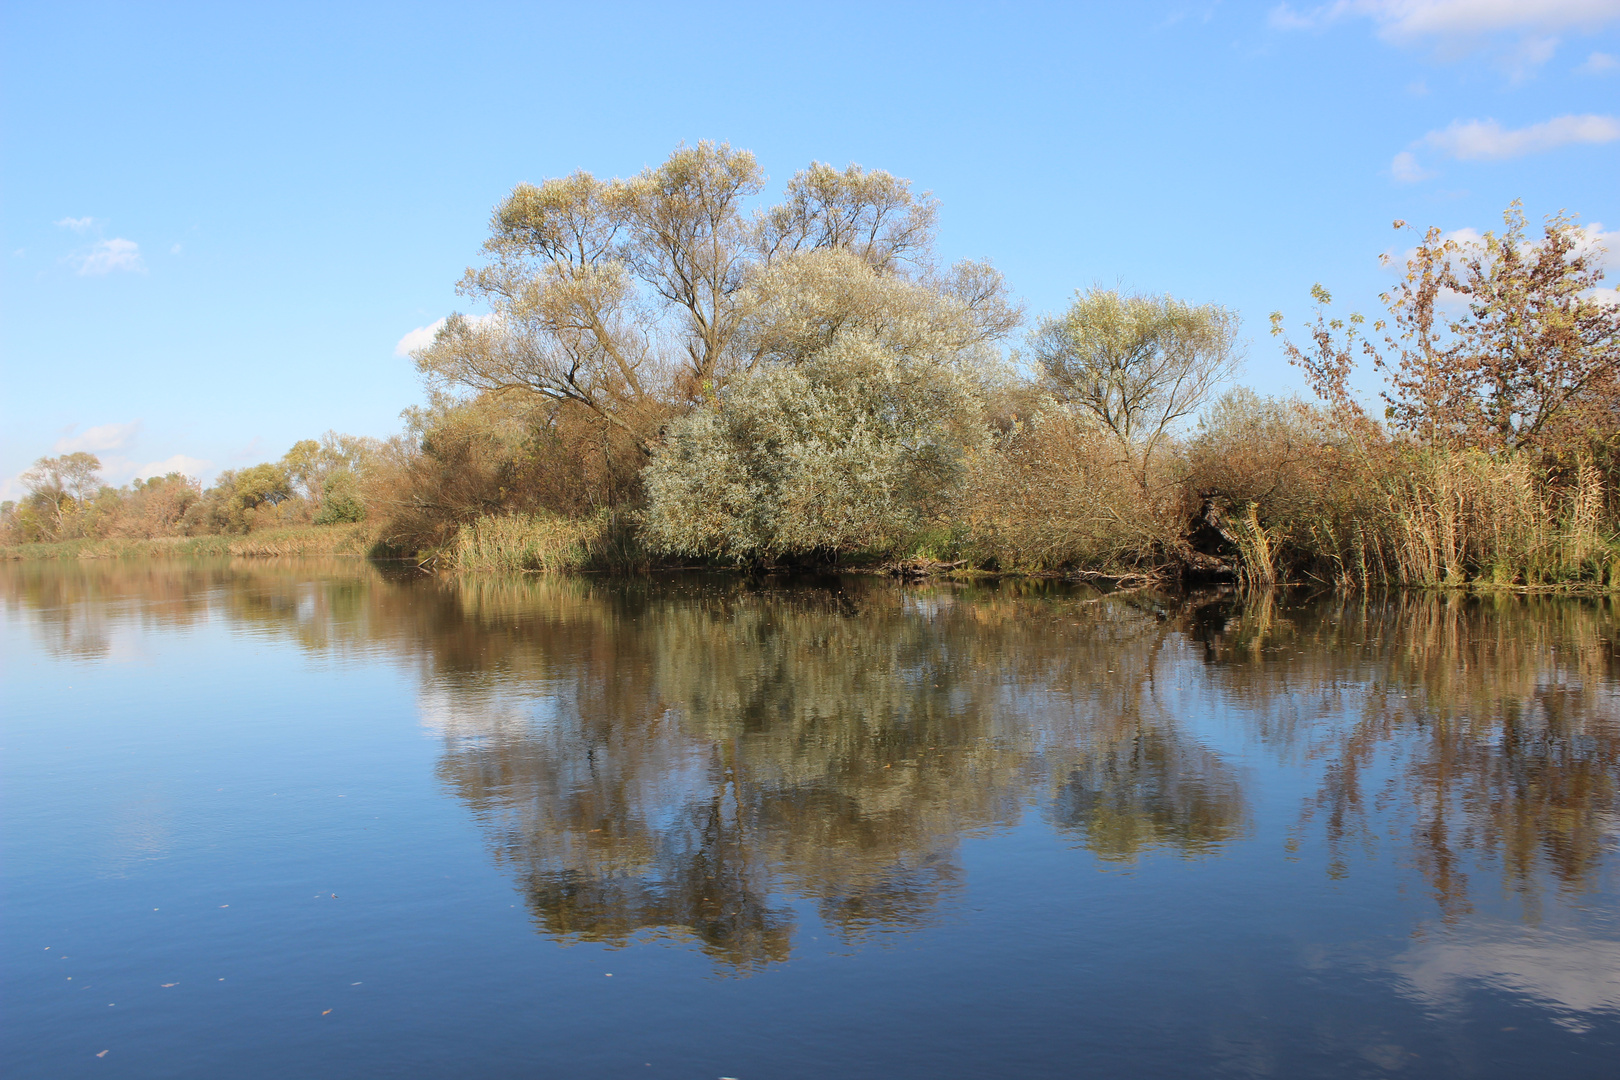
x: 323, y: 819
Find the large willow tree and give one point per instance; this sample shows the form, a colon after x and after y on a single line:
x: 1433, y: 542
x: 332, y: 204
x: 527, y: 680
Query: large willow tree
x: 852, y: 426
x: 799, y: 376
x: 630, y: 298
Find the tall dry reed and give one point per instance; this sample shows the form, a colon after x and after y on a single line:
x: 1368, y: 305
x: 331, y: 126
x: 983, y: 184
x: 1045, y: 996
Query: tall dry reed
x: 520, y: 543
x: 1459, y: 517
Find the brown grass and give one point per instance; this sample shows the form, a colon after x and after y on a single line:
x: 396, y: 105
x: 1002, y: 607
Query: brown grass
x: 353, y: 539
x: 546, y: 543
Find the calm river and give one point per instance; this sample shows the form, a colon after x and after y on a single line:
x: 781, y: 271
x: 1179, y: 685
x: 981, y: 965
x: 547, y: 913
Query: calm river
x: 320, y: 819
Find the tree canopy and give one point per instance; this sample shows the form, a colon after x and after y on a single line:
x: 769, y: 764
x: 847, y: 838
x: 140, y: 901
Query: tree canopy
x: 1135, y: 362
x: 629, y: 297
x: 1501, y: 343
x: 866, y: 391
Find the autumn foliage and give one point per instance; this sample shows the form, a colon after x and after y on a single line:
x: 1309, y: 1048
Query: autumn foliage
x: 668, y: 374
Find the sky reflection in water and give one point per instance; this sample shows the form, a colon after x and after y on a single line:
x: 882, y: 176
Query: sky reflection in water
x: 838, y: 826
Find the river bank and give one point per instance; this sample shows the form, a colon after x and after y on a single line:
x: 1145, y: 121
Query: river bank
x: 347, y: 539
x: 598, y: 547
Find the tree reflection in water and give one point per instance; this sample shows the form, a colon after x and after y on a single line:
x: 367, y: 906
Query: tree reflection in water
x: 692, y: 758
x: 1490, y: 726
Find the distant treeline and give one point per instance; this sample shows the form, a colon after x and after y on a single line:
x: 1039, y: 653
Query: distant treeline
x: 316, y: 482
x: 665, y: 375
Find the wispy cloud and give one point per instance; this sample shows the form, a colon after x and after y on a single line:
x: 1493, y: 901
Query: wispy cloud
x: 422, y: 336
x: 77, y: 224
x: 1599, y: 244
x: 1200, y: 12
x: 99, y: 439
x: 1487, y: 140
x: 1579, y: 977
x: 108, y: 256
x: 1599, y: 63
x: 1395, y: 261
x: 1525, y: 33
x: 12, y: 489
x: 1592, y: 240
x: 253, y: 451
x: 180, y: 463
x: 1522, y: 59
x: 1284, y: 17
x: 1406, y: 169
x: 1412, y: 20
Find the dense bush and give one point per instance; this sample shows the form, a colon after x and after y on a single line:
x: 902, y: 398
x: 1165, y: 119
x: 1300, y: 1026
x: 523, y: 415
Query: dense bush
x: 850, y: 432
x: 1057, y: 491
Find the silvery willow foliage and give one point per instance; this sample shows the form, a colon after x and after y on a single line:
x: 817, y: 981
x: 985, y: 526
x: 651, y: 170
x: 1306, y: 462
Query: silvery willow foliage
x: 850, y: 428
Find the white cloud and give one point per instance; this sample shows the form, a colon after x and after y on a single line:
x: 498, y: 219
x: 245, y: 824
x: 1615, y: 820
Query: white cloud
x: 180, y: 463
x: 110, y: 255
x: 1592, y: 240
x: 1599, y: 64
x: 1409, y: 20
x: 1487, y: 140
x: 422, y: 336
x: 99, y: 439
x: 175, y: 250
x: 1460, y: 27
x: 1448, y: 300
x: 1406, y: 169
x: 1598, y: 243
x: 77, y: 224
x: 1395, y: 261
x: 1530, y: 53
x: 1579, y: 976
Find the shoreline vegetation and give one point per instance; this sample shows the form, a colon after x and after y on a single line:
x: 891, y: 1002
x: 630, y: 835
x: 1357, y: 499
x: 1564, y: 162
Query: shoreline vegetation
x: 516, y: 544
x: 663, y: 376
x: 296, y: 540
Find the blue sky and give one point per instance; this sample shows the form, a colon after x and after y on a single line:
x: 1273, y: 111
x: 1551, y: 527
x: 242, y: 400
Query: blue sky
x: 220, y: 220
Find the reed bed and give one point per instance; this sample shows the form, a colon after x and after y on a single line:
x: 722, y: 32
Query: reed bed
x: 1437, y: 518
x: 545, y: 543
